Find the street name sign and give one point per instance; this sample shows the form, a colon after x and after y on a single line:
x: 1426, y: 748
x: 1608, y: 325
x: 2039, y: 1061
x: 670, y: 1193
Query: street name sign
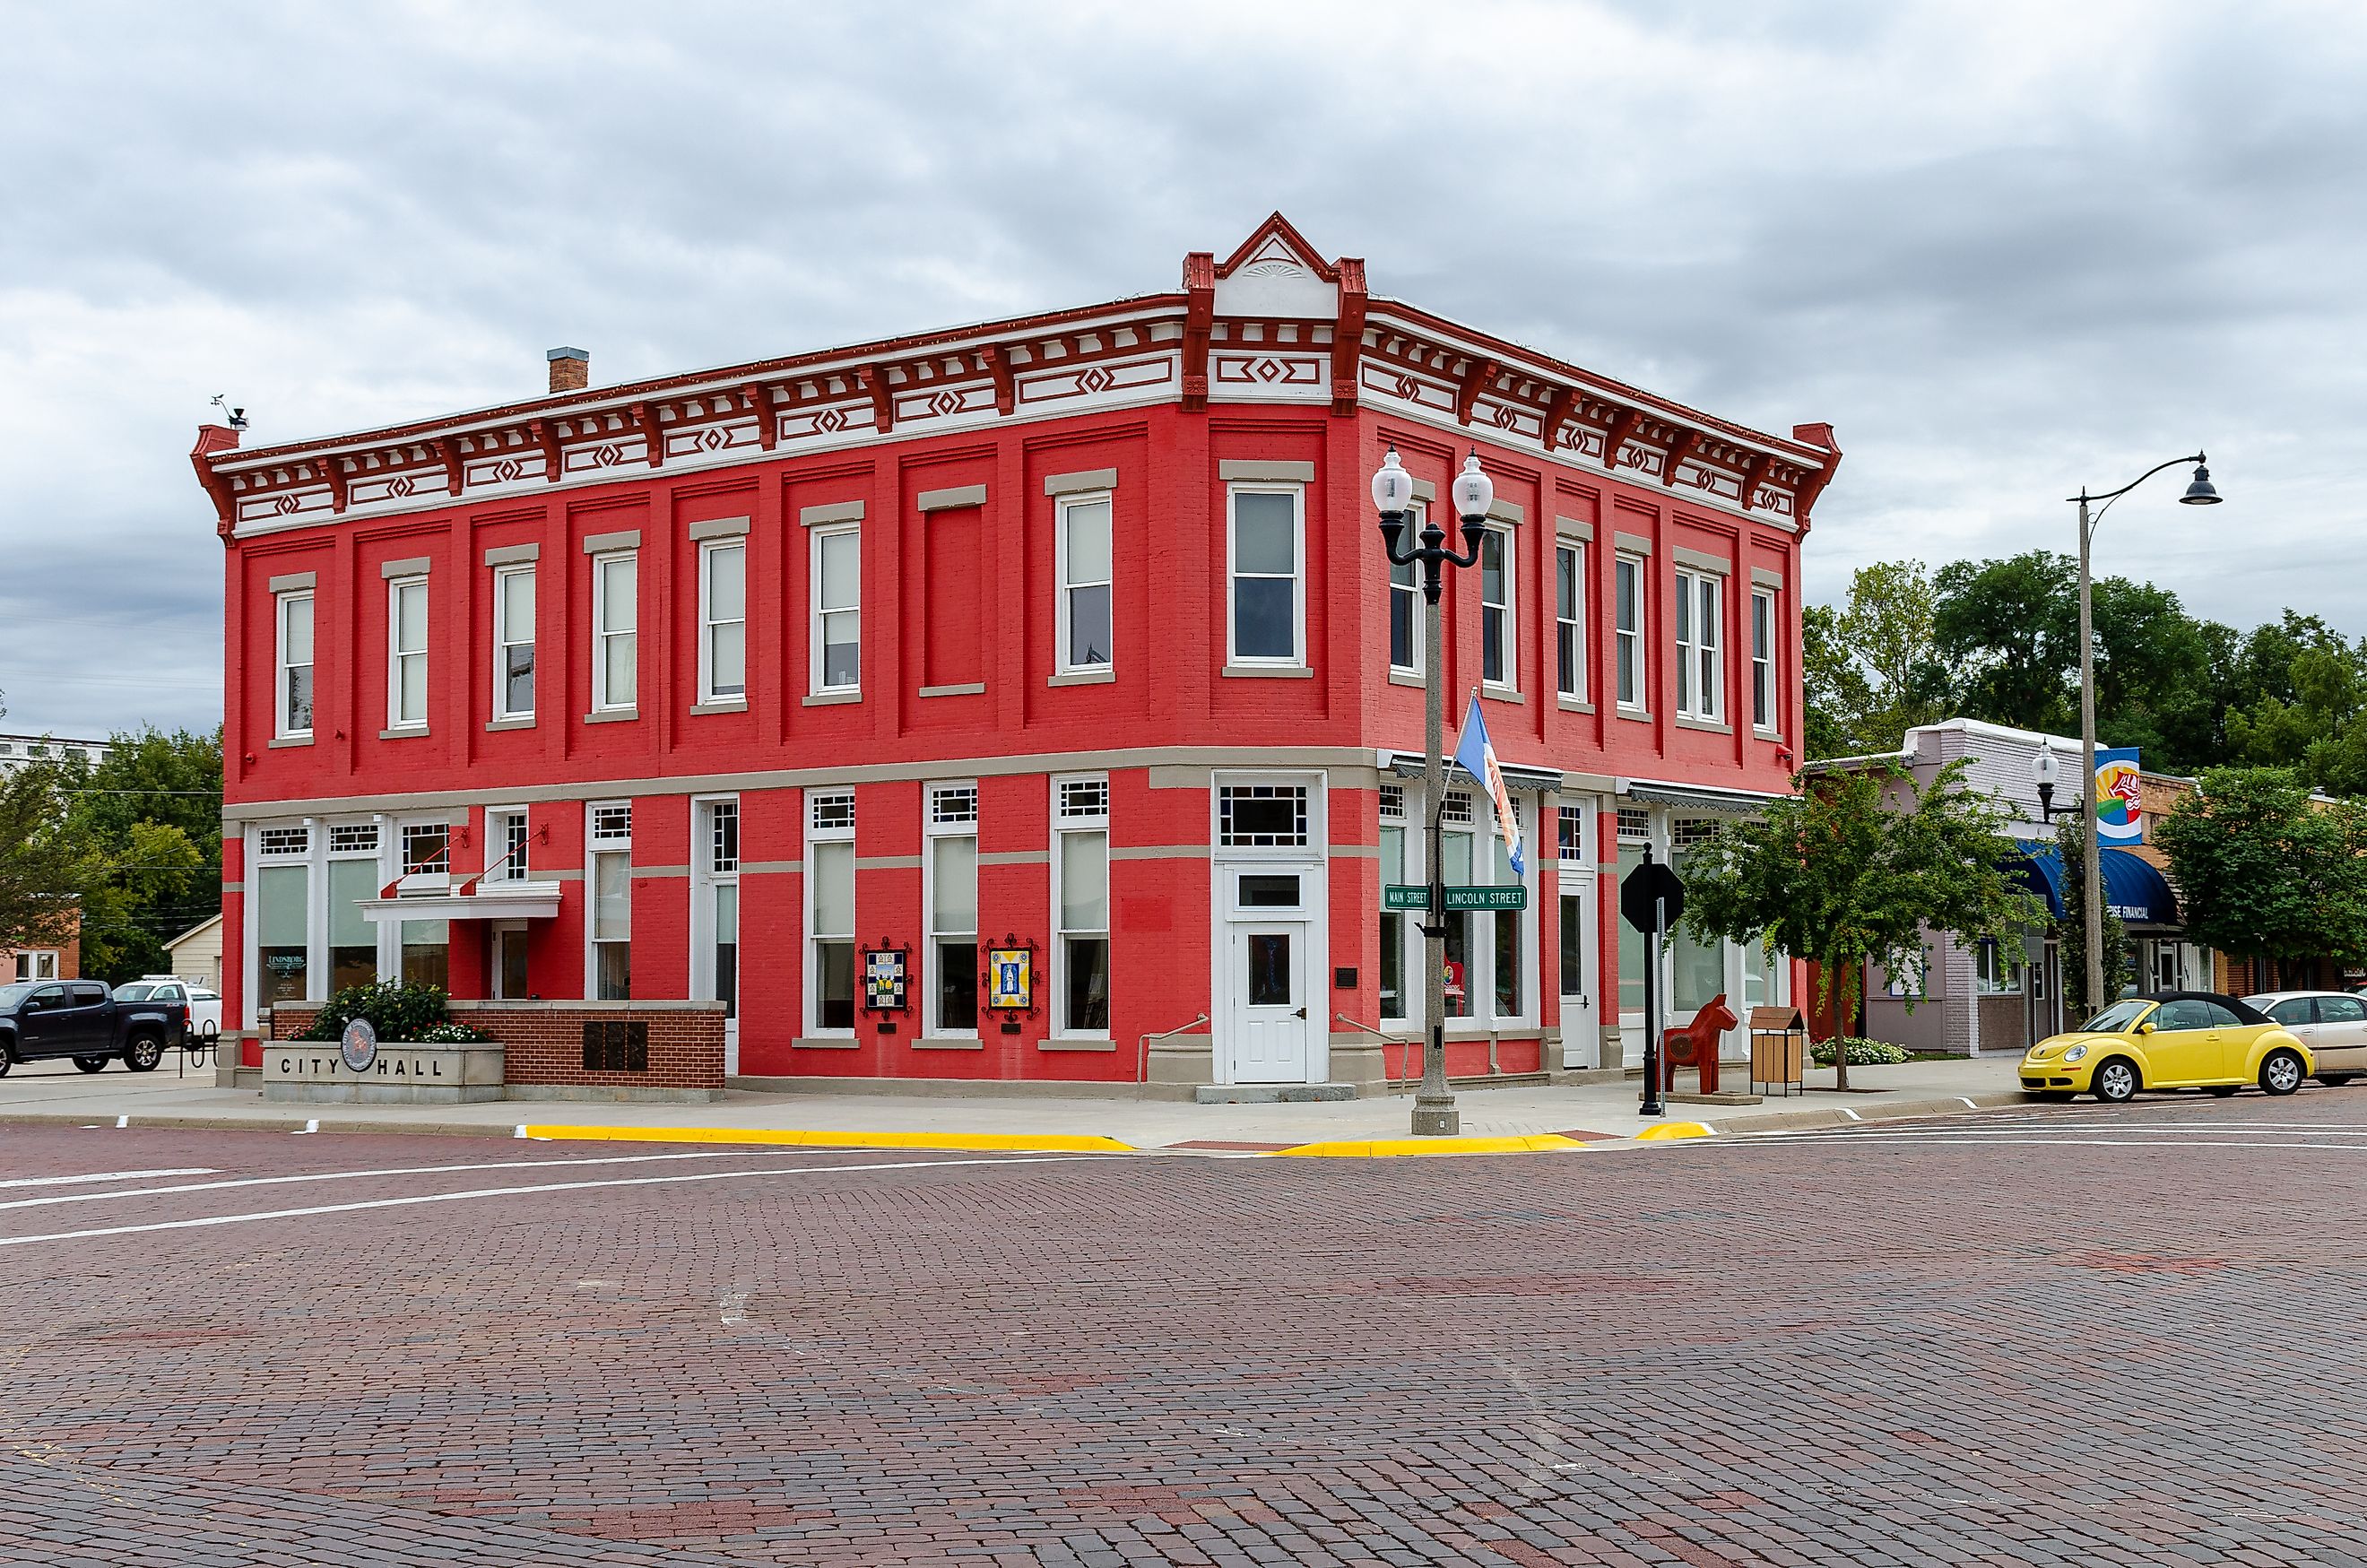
x: 1396, y: 895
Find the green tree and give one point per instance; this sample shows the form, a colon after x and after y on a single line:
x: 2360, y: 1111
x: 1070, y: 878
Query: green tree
x: 1858, y: 869
x: 41, y: 870
x: 2071, y: 844
x: 1870, y: 663
x: 2010, y: 629
x: 2266, y: 874
x: 148, y: 821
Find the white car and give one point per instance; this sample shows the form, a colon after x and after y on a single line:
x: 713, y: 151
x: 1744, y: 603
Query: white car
x: 2333, y: 1024
x: 205, y: 1004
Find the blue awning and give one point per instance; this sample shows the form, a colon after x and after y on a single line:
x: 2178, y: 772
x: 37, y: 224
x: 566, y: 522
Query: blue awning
x: 2133, y: 889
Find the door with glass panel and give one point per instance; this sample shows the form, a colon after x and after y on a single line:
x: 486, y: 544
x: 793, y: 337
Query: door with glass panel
x: 1271, y: 1022
x: 1577, y: 940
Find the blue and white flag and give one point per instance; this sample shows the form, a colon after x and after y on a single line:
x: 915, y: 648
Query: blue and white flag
x: 1476, y: 755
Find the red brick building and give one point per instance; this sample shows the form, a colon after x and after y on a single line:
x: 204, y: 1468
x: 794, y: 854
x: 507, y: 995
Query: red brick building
x: 1067, y: 637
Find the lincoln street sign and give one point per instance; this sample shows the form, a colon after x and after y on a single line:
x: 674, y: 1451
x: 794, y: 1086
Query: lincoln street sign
x: 1396, y: 895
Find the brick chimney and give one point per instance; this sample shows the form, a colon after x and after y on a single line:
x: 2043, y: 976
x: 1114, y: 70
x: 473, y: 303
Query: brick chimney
x: 570, y: 369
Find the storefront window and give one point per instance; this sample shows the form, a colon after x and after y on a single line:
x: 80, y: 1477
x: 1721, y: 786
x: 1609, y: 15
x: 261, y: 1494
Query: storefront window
x: 1393, y: 923
x: 1632, y: 943
x: 282, y: 927
x: 427, y: 954
x: 353, y: 940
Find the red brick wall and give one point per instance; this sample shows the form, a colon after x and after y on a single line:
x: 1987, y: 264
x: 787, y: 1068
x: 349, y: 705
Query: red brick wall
x: 543, y: 1042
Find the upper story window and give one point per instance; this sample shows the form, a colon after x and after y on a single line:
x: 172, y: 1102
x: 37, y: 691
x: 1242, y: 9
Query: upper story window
x: 1266, y: 608
x: 1499, y: 636
x: 1087, y: 630
x: 615, y: 623
x: 406, y: 653
x: 513, y: 642
x: 722, y: 620
x: 1569, y: 620
x: 1762, y: 659
x: 292, y: 696
x: 837, y: 652
x: 1627, y: 608
x: 1406, y: 624
x: 1700, y: 686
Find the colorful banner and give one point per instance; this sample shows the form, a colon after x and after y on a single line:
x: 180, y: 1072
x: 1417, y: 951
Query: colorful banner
x: 2117, y: 817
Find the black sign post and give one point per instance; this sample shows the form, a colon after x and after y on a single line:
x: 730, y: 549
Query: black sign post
x: 1651, y: 899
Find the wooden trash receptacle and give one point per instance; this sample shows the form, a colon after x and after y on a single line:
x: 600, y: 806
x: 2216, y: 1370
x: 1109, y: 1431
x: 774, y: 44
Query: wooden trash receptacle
x: 1779, y: 1049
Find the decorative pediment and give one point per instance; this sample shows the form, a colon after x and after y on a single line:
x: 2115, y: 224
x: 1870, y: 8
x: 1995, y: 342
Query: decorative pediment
x: 1276, y: 273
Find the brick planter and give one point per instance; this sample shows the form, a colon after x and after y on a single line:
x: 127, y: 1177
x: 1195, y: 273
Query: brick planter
x: 581, y: 1050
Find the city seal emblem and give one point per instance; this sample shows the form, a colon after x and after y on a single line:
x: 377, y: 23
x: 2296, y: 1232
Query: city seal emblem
x: 358, y: 1047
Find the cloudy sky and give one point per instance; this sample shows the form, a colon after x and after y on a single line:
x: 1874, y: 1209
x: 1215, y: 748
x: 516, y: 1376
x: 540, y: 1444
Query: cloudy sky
x: 2005, y: 249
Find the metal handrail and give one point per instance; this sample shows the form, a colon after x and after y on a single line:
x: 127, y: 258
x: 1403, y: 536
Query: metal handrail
x: 1405, y: 1049
x: 1142, y: 1063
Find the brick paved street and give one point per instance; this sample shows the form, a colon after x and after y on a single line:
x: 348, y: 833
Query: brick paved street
x: 2079, y: 1335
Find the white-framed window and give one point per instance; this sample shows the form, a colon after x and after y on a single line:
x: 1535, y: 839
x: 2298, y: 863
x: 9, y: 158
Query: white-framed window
x: 1910, y: 979
x: 354, y: 874
x: 1088, y: 629
x: 1700, y: 684
x: 406, y: 653
x: 1397, y: 867
x: 950, y: 975
x: 426, y: 957
x: 830, y: 911
x: 1080, y: 949
x: 722, y: 620
x: 292, y: 691
x: 513, y: 642
x: 37, y: 964
x: 507, y: 858
x: 1627, y: 611
x: 1265, y: 611
x: 1500, y: 651
x: 608, y: 874
x: 615, y: 630
x: 1490, y: 954
x: 1407, y: 622
x: 1997, y: 970
x: 837, y: 652
x: 715, y: 901
x: 1569, y: 619
x: 1763, y: 663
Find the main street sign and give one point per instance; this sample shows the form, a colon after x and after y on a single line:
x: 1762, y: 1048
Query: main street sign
x: 1395, y: 896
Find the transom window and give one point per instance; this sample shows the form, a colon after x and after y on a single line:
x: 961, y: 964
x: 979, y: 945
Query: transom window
x: 1634, y: 825
x: 612, y: 823
x: 1392, y: 803
x: 1084, y: 798
x: 352, y: 837
x: 284, y: 841
x: 1262, y: 817
x: 1457, y: 807
x: 951, y: 804
x: 833, y: 810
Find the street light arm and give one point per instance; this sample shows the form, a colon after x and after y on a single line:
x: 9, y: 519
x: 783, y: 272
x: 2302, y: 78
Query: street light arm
x: 2116, y: 494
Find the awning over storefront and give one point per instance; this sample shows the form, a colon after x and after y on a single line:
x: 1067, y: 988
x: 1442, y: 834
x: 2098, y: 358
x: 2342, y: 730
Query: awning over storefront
x: 499, y: 901
x: 2133, y: 889
x: 1698, y: 798
x: 1409, y: 765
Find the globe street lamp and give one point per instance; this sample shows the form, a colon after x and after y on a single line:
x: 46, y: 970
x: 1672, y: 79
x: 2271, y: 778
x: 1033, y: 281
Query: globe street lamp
x: 1433, y: 1107
x: 2199, y: 492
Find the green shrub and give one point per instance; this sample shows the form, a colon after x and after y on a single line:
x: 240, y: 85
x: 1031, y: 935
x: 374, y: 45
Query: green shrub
x: 400, y: 1014
x: 1861, y: 1053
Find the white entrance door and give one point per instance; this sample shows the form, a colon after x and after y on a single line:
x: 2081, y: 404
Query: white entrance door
x: 1581, y: 1034
x: 1271, y: 1026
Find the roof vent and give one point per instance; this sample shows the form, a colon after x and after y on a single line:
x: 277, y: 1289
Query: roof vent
x: 570, y: 369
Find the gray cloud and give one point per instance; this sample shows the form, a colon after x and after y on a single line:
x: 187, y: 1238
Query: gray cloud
x: 2005, y: 249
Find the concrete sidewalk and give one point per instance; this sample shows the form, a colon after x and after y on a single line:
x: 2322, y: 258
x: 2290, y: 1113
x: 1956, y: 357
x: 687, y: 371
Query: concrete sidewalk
x: 1586, y: 1112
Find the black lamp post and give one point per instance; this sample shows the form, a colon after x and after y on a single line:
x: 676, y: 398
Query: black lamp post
x: 1433, y: 1107
x: 2200, y: 491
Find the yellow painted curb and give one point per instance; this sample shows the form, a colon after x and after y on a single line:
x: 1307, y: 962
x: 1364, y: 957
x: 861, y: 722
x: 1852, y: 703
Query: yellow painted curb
x: 1385, y: 1148
x: 1044, y: 1143
x: 1675, y: 1130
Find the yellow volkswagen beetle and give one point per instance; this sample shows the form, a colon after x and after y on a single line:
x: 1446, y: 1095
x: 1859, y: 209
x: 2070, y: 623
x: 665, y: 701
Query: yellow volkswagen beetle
x: 2169, y: 1039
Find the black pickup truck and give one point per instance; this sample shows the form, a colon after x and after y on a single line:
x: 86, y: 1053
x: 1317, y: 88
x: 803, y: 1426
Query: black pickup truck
x: 42, y: 1020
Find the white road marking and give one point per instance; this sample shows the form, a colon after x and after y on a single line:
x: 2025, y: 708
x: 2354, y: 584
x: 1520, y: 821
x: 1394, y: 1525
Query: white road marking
x: 358, y: 1175
x: 370, y: 1203
x: 1905, y: 1130
x: 107, y: 1176
x: 1851, y: 1114
x: 123, y: 1120
x: 2062, y: 1142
